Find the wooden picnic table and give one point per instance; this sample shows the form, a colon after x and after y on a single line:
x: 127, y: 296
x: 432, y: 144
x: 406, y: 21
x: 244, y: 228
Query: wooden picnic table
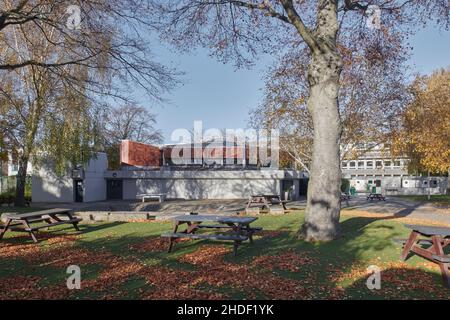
x: 239, y: 226
x: 436, y: 238
x: 377, y: 196
x: 266, y: 200
x: 23, y: 221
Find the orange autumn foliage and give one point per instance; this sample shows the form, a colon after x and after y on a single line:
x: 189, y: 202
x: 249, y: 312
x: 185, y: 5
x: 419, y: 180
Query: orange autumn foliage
x: 425, y: 132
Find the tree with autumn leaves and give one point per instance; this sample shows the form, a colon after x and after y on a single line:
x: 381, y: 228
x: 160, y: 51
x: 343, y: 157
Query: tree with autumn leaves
x: 59, y: 62
x: 424, y: 134
x: 372, y: 96
x: 319, y: 30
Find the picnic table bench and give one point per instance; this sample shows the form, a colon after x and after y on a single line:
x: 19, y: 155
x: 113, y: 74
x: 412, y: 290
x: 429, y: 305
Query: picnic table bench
x: 239, y: 227
x: 266, y: 200
x: 437, y: 238
x: 377, y: 196
x: 23, y: 222
x: 160, y: 196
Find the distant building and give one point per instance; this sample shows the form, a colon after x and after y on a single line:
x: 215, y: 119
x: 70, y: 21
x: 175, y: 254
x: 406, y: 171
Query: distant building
x: 226, y: 174
x: 375, y: 171
x: 8, y: 172
x: 10, y: 167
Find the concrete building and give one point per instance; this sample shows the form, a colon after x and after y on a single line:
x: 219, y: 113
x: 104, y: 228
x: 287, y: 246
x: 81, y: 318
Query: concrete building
x: 8, y: 171
x: 228, y: 174
x: 85, y: 184
x: 375, y: 170
x: 150, y: 169
x: 10, y: 167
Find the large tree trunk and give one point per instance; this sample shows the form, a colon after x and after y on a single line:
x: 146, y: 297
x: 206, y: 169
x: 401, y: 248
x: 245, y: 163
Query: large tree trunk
x: 323, y: 201
x: 21, y: 181
x: 24, y: 158
x: 323, y: 204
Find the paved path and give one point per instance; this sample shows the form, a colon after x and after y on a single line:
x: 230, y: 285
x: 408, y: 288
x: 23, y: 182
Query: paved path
x: 392, y: 206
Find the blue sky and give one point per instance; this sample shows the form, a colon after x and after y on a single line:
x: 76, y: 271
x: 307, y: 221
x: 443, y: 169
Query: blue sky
x: 221, y: 96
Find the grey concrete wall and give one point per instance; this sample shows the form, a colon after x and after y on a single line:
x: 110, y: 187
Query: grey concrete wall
x: 94, y: 181
x: 47, y: 187
x: 204, y: 185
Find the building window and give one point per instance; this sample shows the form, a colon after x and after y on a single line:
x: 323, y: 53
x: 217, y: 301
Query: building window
x: 387, y: 164
x: 379, y: 164
x: 396, y: 163
x: 344, y: 164
x: 360, y: 164
x: 369, y: 164
x: 352, y: 164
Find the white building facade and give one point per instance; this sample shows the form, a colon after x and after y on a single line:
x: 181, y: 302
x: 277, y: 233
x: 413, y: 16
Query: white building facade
x: 376, y: 171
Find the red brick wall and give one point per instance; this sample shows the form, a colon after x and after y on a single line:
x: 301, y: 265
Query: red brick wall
x: 139, y: 154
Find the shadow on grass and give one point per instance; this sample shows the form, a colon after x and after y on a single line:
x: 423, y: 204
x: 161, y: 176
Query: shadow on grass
x: 23, y: 237
x: 332, y: 274
x: 400, y: 282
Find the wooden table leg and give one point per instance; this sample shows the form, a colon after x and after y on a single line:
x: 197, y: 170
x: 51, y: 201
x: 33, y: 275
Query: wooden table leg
x: 5, y: 228
x: 266, y: 204
x: 250, y: 201
x: 75, y: 223
x: 249, y: 232
x: 235, y: 247
x: 175, y: 228
x: 27, y: 225
x: 238, y: 230
x: 438, y: 250
x: 192, y: 227
x: 409, y: 244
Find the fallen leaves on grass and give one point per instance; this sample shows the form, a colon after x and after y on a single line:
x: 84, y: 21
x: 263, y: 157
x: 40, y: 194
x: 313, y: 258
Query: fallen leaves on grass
x: 157, y: 244
x: 288, y: 261
x: 216, y: 272
x: 270, y: 233
x: 14, y: 251
x: 171, y: 284
x: 398, y: 280
x: 206, y: 256
x: 27, y: 287
x: 31, y: 251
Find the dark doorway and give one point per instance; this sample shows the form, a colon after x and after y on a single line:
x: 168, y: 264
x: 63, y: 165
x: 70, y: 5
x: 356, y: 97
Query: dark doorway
x: 287, y: 187
x: 303, y: 186
x: 114, y: 189
x: 79, y: 190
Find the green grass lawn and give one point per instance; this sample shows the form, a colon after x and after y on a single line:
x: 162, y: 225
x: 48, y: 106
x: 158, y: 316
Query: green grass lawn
x: 436, y: 198
x: 129, y: 261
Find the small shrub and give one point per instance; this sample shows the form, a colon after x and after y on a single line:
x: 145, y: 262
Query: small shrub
x: 345, y: 185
